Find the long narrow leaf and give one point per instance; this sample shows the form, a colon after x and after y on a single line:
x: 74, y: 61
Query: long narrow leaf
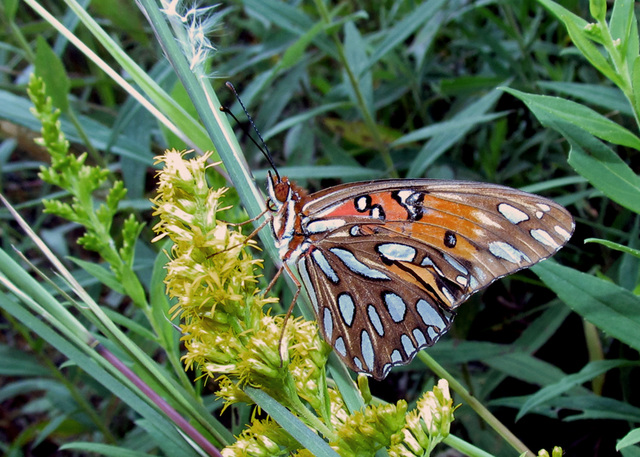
x: 609, y: 307
x: 291, y: 424
x: 552, y: 110
x: 588, y: 372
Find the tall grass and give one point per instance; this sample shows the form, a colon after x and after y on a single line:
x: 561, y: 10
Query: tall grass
x: 529, y: 94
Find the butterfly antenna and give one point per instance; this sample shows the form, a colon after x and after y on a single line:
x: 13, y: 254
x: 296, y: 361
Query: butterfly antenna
x: 263, y: 147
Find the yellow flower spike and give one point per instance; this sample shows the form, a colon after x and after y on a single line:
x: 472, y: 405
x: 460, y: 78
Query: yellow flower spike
x: 264, y: 438
x: 365, y: 432
x: 231, y: 393
x: 428, y: 424
x: 225, y: 331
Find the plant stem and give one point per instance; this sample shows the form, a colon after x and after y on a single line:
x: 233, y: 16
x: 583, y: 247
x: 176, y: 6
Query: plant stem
x: 366, y: 114
x: 478, y: 407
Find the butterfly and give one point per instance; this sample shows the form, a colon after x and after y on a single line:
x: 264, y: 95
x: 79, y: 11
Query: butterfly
x: 386, y: 263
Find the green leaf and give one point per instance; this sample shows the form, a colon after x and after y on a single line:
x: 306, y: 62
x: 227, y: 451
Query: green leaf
x: 526, y: 368
x: 598, y: 9
x: 355, y: 50
x: 609, y: 98
x: 132, y: 286
x: 10, y: 8
x: 167, y: 334
x: 295, y: 53
x: 595, y: 407
x: 290, y: 19
x: 102, y: 449
x: 302, y: 117
x: 446, y: 127
x: 587, y: 373
x: 576, y: 27
x: 602, y: 168
x: 631, y: 438
x: 551, y: 110
x: 440, y: 143
x: 621, y: 26
x: 403, y: 29
x: 14, y: 362
x: 609, y: 307
x: 635, y: 84
x: 49, y: 67
x: 616, y: 246
x: 345, y: 172
x: 103, y: 275
x: 303, y: 434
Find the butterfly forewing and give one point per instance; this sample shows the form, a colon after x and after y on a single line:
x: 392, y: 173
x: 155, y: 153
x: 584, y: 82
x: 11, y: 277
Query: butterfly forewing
x: 386, y: 263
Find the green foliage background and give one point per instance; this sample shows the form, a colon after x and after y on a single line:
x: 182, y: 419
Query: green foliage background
x: 520, y: 93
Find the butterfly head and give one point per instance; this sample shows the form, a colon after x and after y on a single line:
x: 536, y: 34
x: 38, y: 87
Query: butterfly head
x: 285, y: 200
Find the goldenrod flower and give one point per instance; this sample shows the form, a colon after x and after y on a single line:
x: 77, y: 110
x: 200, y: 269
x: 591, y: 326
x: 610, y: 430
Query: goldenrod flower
x: 229, y: 335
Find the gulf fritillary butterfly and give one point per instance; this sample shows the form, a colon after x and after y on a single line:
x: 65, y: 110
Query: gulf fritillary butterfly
x: 386, y: 263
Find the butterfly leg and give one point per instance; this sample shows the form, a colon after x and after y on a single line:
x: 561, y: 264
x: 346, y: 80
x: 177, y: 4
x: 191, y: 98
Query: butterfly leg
x: 293, y: 303
x: 248, y: 221
x: 274, y: 279
x: 250, y: 236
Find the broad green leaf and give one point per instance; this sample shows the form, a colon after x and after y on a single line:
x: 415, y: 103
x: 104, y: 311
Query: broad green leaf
x: 631, y: 451
x: 303, y: 434
x: 609, y: 98
x: 550, y: 110
x: 631, y: 438
x: 602, y: 168
x: 587, y: 373
x: 50, y: 68
x: 614, y: 310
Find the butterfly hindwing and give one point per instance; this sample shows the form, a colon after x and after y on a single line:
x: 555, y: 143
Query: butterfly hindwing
x: 371, y: 322
x: 385, y: 263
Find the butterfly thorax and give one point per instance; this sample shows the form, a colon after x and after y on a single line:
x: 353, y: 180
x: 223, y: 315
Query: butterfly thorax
x: 287, y: 200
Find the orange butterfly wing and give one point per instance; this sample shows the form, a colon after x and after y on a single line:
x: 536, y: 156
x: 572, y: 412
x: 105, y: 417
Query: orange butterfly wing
x: 385, y: 263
